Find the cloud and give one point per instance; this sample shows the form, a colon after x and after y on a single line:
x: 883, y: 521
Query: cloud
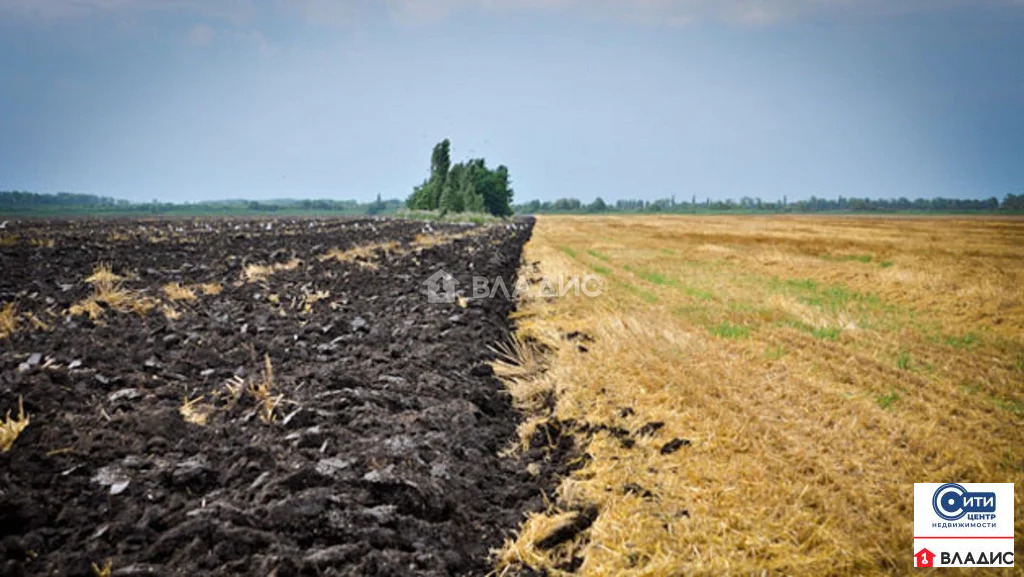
x: 57, y: 9
x: 232, y: 10
x: 683, y: 12
x: 327, y: 12
x: 257, y: 39
x: 201, y: 35
x: 346, y: 12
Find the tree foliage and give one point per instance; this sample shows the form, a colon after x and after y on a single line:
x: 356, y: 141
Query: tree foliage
x: 463, y: 187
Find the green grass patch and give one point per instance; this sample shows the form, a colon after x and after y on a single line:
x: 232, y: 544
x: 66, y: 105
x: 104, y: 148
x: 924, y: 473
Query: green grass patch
x: 654, y: 278
x: 824, y: 333
x: 730, y: 331
x: 971, y: 389
x: 775, y: 353
x: 833, y: 298
x: 569, y: 251
x: 864, y: 258
x: 965, y: 342
x: 827, y: 333
x: 886, y: 263
x: 838, y: 298
x: 601, y: 270
x: 867, y: 309
x: 599, y: 256
x: 651, y: 276
x: 805, y: 284
x: 1015, y: 407
x: 699, y: 294
x: 903, y: 360
x: 647, y: 296
x: 887, y: 400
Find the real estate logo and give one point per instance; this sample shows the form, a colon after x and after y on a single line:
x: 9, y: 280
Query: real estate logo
x: 951, y: 502
x: 441, y: 287
x: 963, y: 525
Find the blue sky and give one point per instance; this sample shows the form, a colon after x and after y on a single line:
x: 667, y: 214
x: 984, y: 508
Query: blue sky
x: 191, y: 100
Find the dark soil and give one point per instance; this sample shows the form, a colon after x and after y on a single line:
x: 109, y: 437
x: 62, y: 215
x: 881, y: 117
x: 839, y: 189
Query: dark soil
x: 382, y: 456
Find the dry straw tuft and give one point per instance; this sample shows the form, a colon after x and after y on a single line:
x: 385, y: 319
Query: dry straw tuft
x: 11, y: 428
x: 261, y: 272
x: 211, y: 289
x: 8, y: 320
x: 194, y: 411
x: 105, y: 570
x: 176, y: 292
x: 110, y: 293
x: 263, y: 392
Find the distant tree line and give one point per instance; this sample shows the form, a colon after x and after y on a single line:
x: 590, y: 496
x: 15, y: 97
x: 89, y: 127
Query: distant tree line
x: 465, y: 187
x: 496, y: 186
x: 17, y: 198
x: 1011, y: 203
x: 377, y: 206
x: 29, y: 203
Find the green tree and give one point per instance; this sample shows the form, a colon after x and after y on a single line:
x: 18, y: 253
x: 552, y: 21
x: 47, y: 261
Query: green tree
x: 420, y: 199
x: 427, y: 196
x: 451, y: 197
x: 440, y: 164
x: 465, y: 186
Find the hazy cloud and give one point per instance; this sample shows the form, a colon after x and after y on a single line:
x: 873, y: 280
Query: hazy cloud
x: 201, y: 35
x: 333, y: 12
x: 327, y: 12
x: 233, y: 10
x: 681, y: 12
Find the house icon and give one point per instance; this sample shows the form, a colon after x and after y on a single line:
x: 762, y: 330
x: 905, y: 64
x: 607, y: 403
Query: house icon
x: 923, y: 558
x: 441, y: 287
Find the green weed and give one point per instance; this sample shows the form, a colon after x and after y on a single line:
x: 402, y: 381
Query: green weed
x: 799, y: 284
x: 645, y: 295
x: 730, y: 331
x: 699, y: 294
x: 887, y: 400
x: 650, y: 276
x: 1015, y: 407
x: 827, y: 333
x: 903, y: 361
x: 964, y: 342
x: 865, y: 258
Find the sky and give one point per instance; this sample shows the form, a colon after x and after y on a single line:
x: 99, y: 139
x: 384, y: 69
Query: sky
x: 189, y: 100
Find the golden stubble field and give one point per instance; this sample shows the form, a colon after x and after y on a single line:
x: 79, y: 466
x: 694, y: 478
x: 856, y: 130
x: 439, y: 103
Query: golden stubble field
x: 810, y: 370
